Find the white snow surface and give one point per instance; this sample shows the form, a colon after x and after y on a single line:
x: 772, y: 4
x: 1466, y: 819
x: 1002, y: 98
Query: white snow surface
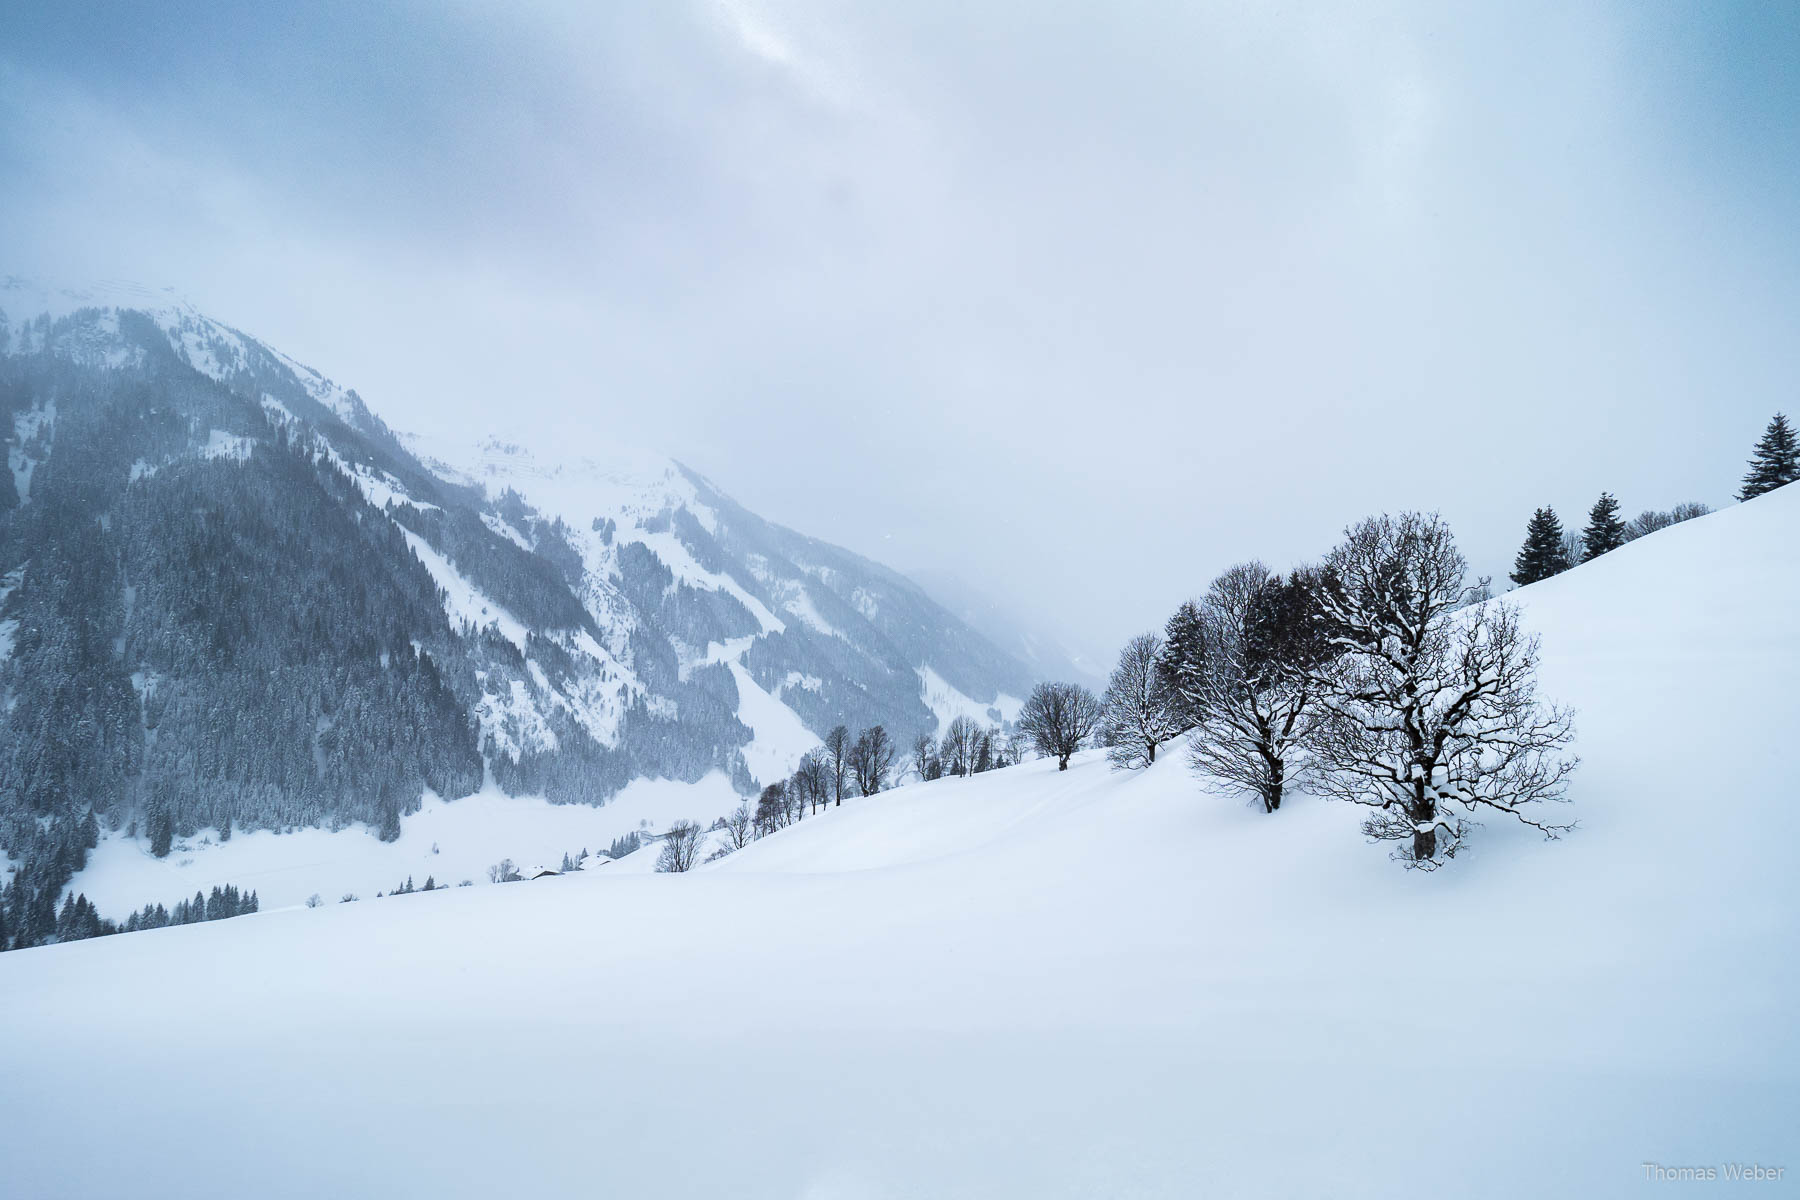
x: 1031, y: 983
x: 196, y: 337
x: 947, y: 703
x: 464, y: 603
x: 220, y: 444
x: 448, y: 840
x: 781, y: 738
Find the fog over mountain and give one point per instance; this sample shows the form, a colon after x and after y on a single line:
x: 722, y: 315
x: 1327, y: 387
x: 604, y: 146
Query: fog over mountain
x: 792, y: 600
x: 231, y: 598
x: 974, y: 290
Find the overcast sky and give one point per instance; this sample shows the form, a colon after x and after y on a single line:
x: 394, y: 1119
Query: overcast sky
x: 1081, y: 303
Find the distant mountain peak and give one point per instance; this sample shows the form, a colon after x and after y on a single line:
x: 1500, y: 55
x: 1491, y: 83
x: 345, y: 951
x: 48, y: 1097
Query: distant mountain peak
x: 315, y: 621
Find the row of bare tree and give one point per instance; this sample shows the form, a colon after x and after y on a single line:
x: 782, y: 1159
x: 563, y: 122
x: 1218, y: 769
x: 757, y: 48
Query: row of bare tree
x: 841, y: 766
x: 1381, y: 677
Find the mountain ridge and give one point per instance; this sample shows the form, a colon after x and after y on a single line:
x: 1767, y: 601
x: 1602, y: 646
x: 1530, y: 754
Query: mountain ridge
x: 255, y: 594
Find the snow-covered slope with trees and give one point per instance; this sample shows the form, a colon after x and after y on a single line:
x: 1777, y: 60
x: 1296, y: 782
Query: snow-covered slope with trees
x: 235, y: 600
x: 1028, y: 983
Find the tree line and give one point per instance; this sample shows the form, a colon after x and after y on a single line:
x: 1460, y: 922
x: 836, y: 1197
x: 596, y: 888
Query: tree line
x: 1549, y: 550
x: 1382, y: 677
x: 78, y: 919
x: 844, y: 766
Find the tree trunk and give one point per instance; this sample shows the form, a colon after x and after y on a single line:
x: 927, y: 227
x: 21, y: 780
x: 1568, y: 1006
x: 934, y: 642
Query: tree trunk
x: 1272, y: 788
x: 1152, y: 752
x: 1423, y: 808
x: 1062, y: 762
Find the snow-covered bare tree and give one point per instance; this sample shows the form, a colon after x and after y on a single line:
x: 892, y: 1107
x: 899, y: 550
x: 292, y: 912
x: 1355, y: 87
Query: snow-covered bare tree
x: 960, y: 743
x: 1018, y: 745
x: 925, y: 757
x: 1431, y: 710
x: 772, y: 810
x: 1652, y: 520
x: 810, y: 784
x: 837, y: 761
x: 739, y: 827
x: 681, y: 847
x: 1254, y: 702
x: 1060, y: 718
x: 1140, y: 712
x: 872, y: 759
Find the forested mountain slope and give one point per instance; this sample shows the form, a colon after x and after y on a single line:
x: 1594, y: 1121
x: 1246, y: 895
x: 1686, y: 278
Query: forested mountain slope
x: 1031, y: 982
x: 231, y: 598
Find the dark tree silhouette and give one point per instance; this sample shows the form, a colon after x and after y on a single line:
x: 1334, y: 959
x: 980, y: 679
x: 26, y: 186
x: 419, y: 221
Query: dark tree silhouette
x: 1140, y: 711
x: 1543, y: 553
x: 1605, y: 532
x: 1060, y: 717
x: 1254, y: 701
x: 1432, y: 716
x: 1776, y: 462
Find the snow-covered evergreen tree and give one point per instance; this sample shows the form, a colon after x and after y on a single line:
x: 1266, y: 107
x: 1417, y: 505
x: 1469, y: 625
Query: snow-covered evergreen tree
x: 1182, y: 662
x: 1543, y: 553
x: 1776, y: 462
x: 1605, y: 531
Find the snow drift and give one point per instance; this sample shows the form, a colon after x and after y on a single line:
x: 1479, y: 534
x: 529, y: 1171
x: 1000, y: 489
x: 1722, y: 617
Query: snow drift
x: 1027, y: 984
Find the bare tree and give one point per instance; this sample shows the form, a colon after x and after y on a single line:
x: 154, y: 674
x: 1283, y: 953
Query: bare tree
x: 959, y: 744
x: 1433, y: 716
x: 1653, y: 520
x: 872, y: 759
x: 739, y: 827
x: 837, y: 761
x: 810, y: 785
x: 1139, y: 712
x: 1255, y: 698
x: 681, y: 846
x: 925, y: 757
x: 772, y: 809
x: 1060, y: 718
x: 1018, y: 745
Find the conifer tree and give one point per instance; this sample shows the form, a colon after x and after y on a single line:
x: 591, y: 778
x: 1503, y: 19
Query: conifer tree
x: 1182, y: 662
x: 1776, y: 461
x: 1542, y: 555
x: 1605, y: 531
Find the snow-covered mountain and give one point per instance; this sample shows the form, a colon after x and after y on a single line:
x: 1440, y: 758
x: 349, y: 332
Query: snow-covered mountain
x: 1032, y: 982
x: 262, y: 609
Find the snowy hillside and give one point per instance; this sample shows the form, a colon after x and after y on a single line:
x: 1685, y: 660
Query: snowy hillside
x: 1029, y: 983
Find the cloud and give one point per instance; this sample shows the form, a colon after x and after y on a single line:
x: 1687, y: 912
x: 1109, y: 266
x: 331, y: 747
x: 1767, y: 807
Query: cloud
x: 1081, y: 303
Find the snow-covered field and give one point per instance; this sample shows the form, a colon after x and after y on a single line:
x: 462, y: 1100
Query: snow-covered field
x: 1028, y: 984
x: 448, y: 841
